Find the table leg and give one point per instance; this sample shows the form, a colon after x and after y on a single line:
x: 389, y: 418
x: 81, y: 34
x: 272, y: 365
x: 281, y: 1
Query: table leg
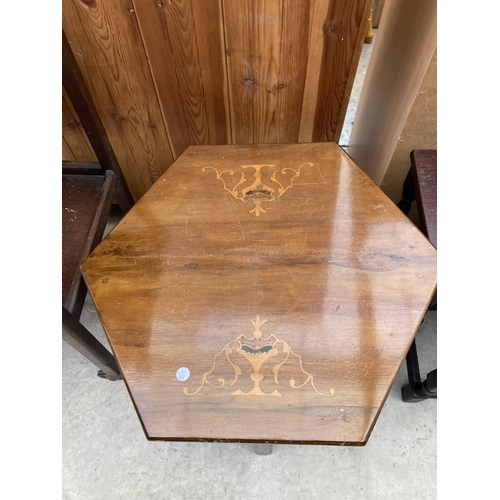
x: 85, y: 343
x: 369, y: 31
x: 263, y: 449
x: 417, y: 390
x: 409, y: 195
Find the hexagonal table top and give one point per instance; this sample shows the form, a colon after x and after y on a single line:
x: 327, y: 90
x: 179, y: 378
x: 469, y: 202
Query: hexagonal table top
x: 262, y: 293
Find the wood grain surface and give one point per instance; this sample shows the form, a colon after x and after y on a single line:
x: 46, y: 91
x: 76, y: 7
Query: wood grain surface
x: 75, y: 143
x: 318, y: 14
x: 166, y: 75
x: 67, y: 154
x: 185, y: 48
x: 281, y: 277
x: 424, y: 165
x: 105, y: 39
x: 253, y: 34
x: 344, y: 31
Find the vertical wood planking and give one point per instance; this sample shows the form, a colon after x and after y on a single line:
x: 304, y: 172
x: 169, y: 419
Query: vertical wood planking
x: 166, y: 74
x: 336, y: 37
x: 253, y: 41
x: 210, y: 29
x: 76, y: 146
x: 293, y: 67
x: 318, y: 13
x: 351, y: 74
x: 183, y: 41
x: 343, y: 31
x: 105, y: 38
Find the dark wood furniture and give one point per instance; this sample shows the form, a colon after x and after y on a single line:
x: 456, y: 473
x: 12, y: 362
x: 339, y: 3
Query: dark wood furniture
x: 86, y: 204
x: 88, y: 190
x: 421, y: 185
x: 262, y: 293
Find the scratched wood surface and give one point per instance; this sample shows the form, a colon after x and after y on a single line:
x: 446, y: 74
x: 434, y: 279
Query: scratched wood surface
x: 262, y: 293
x: 166, y: 75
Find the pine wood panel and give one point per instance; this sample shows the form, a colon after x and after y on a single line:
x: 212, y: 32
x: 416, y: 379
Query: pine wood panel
x: 185, y: 48
x: 67, y: 154
x: 293, y: 66
x: 75, y: 144
x: 168, y: 74
x: 288, y: 58
x: 253, y: 36
x: 336, y: 36
x: 344, y: 31
x: 318, y: 13
x: 106, y: 41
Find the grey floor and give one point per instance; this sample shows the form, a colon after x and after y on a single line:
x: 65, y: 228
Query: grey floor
x: 105, y: 454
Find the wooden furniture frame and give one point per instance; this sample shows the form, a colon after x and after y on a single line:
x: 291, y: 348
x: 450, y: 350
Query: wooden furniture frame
x: 88, y: 189
x: 86, y: 200
x: 421, y: 185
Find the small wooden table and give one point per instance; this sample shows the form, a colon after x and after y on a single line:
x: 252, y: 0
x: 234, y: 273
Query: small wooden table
x: 264, y: 294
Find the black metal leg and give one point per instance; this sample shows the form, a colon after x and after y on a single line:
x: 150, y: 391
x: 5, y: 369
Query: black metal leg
x: 86, y: 344
x: 417, y: 390
x: 409, y: 195
x: 432, y: 381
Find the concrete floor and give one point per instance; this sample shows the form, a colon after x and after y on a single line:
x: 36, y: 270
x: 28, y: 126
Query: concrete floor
x: 105, y: 454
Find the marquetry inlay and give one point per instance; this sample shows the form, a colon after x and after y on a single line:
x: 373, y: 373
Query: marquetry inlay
x: 270, y: 182
x: 257, y: 349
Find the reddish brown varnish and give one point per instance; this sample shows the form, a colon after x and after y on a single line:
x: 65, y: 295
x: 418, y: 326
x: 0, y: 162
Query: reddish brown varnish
x: 281, y: 276
x: 424, y: 170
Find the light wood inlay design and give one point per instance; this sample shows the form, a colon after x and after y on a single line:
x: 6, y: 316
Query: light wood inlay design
x: 334, y: 270
x: 257, y: 350
x: 259, y: 192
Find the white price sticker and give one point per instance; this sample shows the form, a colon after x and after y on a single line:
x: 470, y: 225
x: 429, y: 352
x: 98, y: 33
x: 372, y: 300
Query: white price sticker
x: 183, y: 374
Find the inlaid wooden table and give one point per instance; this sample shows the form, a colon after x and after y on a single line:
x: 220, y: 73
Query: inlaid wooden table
x: 264, y: 294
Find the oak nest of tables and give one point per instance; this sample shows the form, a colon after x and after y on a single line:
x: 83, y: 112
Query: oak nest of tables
x: 262, y: 294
